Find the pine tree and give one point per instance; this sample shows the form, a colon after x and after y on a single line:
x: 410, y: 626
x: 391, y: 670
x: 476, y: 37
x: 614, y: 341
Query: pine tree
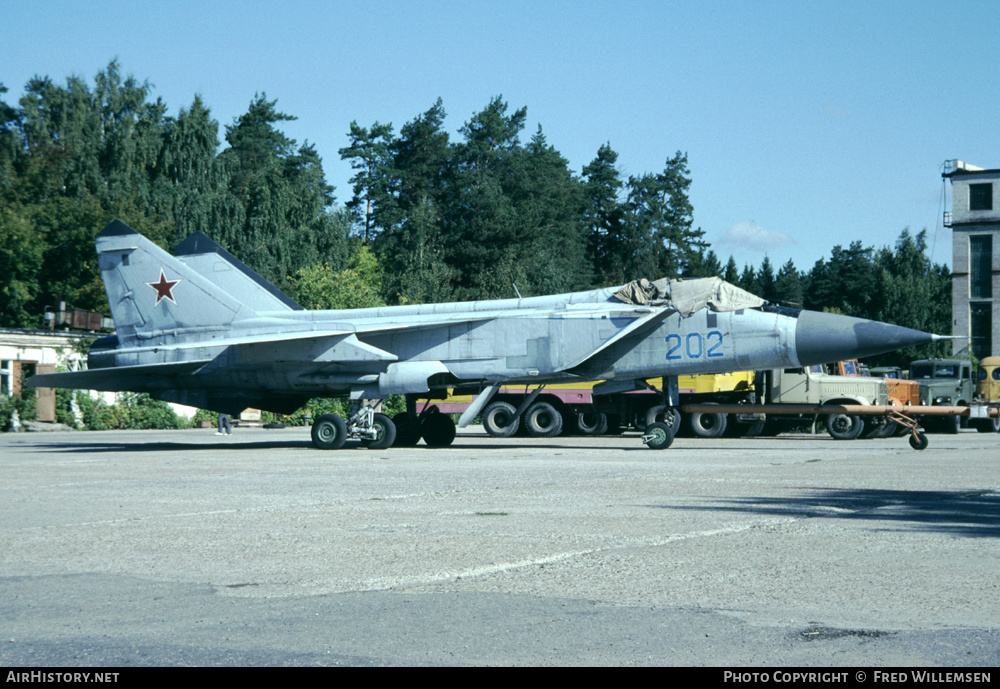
x: 788, y: 285
x: 369, y: 152
x: 659, y: 220
x: 607, y: 246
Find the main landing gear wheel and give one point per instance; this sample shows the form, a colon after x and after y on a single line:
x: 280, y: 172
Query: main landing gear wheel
x: 385, y: 433
x: 658, y: 436
x: 329, y: 432
x: 437, y: 429
x: 407, y: 430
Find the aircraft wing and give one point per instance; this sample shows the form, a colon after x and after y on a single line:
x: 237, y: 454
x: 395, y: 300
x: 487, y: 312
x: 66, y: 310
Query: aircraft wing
x: 327, y: 332
x: 113, y: 379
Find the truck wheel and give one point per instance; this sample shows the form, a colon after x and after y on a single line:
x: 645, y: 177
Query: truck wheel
x: 889, y: 429
x: 988, y: 425
x: 875, y: 427
x: 772, y: 428
x: 543, y: 420
x: 664, y: 414
x: 591, y: 423
x: 497, y: 420
x: 658, y: 436
x: 708, y: 425
x: 952, y: 424
x: 844, y: 426
x: 329, y: 432
x: 614, y: 424
x: 749, y: 430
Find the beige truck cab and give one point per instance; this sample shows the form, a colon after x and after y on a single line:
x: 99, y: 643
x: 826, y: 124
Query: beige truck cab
x: 815, y: 385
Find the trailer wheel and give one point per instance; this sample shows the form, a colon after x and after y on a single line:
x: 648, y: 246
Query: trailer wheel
x: 918, y: 441
x: 543, y: 420
x: 497, y: 420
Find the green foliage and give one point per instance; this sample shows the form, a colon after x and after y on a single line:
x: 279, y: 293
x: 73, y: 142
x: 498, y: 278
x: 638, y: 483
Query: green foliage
x: 21, y: 259
x: 25, y: 406
x: 64, y: 407
x: 137, y: 411
x: 604, y: 217
x: 131, y: 411
x: 414, y: 255
x: 358, y: 286
x: 275, y: 216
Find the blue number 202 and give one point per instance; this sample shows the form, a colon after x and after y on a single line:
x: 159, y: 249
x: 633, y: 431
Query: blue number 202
x: 693, y: 346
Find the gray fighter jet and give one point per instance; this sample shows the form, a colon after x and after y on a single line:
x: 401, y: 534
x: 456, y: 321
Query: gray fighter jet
x: 201, y: 328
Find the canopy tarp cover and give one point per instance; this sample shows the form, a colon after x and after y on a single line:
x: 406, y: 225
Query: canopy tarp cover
x: 689, y: 296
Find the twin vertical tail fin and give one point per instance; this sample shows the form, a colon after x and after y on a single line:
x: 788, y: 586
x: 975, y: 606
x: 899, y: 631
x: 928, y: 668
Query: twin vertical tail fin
x: 156, y: 297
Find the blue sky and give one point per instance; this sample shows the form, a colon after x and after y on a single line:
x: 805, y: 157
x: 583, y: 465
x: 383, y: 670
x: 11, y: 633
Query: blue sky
x: 806, y: 124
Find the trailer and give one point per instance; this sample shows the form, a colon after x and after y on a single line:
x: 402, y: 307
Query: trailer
x: 905, y: 416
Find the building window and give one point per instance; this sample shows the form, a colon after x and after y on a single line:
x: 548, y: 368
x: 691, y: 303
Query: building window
x: 981, y: 317
x: 981, y: 197
x: 981, y: 266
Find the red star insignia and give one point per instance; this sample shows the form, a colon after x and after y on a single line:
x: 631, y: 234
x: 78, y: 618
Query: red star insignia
x: 164, y: 288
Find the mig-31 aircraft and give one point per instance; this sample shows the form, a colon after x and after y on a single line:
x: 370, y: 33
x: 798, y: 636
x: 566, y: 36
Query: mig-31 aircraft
x: 201, y: 328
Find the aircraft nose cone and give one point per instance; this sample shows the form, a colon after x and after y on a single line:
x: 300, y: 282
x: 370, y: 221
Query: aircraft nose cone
x: 824, y: 337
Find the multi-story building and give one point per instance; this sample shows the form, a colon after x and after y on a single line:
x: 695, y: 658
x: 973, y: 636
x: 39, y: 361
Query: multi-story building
x: 975, y: 284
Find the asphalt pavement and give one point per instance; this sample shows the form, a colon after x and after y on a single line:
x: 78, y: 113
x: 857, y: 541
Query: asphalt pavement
x: 139, y: 548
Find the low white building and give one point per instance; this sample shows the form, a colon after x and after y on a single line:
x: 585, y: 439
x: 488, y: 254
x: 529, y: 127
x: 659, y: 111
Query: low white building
x: 24, y: 353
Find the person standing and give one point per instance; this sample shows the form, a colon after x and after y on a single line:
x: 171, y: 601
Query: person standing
x: 224, y: 424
